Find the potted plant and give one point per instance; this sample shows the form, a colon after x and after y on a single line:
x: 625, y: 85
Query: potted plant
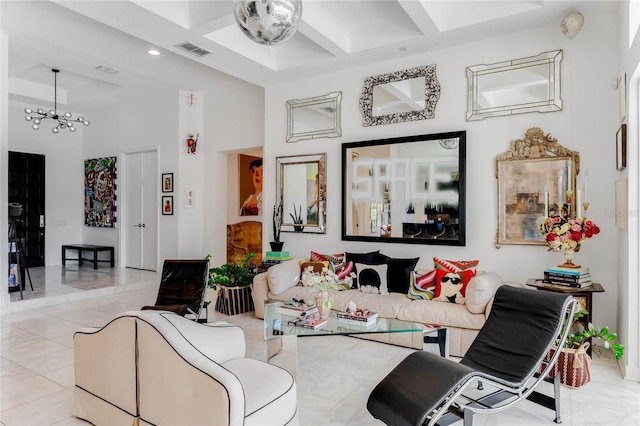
x: 573, y: 362
x: 233, y: 280
x: 232, y: 274
x: 276, y: 244
x: 579, y: 335
x: 297, y: 218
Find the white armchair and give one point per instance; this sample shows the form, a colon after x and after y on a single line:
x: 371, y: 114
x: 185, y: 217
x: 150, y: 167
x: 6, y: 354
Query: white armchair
x: 187, y: 374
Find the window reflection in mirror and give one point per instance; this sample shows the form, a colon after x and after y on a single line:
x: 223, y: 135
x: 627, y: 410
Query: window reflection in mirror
x: 405, y: 189
x: 301, y: 183
x: 515, y: 87
x: 399, y: 96
x: 315, y: 117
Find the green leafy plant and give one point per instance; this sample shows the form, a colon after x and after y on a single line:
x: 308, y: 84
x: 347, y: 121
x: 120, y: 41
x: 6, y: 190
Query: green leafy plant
x: 232, y: 274
x: 579, y: 334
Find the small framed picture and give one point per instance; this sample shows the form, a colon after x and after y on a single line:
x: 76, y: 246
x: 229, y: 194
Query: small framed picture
x: 167, y: 182
x: 621, y: 147
x: 622, y: 96
x: 167, y: 205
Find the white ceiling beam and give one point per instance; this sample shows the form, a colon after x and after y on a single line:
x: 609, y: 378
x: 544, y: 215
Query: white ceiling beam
x: 322, y: 28
x: 214, y: 25
x: 417, y: 11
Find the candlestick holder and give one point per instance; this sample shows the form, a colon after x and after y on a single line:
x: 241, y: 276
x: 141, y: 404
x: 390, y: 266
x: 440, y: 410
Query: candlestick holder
x: 585, y: 207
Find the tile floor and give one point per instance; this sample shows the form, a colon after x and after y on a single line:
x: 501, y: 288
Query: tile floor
x: 36, y: 364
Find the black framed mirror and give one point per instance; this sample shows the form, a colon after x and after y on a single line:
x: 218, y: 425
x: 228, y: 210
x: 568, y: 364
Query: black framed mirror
x: 405, y: 190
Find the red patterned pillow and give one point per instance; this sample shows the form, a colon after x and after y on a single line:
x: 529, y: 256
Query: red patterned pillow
x: 336, y: 259
x: 451, y: 286
x: 455, y: 265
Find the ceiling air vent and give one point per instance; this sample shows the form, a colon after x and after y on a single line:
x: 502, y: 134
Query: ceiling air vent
x: 192, y: 48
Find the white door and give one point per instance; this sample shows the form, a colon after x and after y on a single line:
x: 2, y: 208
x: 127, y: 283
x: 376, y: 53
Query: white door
x: 140, y: 210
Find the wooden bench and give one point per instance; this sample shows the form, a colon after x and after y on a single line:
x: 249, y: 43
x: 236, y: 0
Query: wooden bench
x: 90, y: 248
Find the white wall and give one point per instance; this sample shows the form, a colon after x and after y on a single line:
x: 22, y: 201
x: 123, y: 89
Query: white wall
x: 4, y: 147
x: 63, y: 173
x: 587, y: 124
x: 629, y: 239
x: 234, y: 122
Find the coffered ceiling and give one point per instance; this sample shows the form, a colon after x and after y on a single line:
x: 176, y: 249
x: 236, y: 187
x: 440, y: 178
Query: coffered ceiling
x: 78, y: 36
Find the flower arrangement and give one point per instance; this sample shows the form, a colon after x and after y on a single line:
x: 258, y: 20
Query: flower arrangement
x: 567, y: 234
x: 325, y: 280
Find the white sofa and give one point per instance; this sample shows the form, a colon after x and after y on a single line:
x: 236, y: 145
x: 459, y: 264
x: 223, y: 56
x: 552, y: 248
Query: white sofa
x: 158, y: 368
x: 463, y: 322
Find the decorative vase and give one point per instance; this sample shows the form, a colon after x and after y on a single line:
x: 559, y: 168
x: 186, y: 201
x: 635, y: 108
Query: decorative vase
x: 276, y: 245
x: 569, y: 255
x: 324, y: 302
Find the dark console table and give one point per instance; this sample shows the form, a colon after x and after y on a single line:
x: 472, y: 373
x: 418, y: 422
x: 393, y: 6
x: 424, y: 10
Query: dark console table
x: 584, y: 296
x: 80, y: 248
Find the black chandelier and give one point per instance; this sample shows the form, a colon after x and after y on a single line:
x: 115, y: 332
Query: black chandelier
x: 63, y: 121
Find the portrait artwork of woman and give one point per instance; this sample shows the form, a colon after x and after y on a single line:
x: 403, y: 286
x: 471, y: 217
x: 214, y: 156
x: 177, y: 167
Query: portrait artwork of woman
x: 253, y: 204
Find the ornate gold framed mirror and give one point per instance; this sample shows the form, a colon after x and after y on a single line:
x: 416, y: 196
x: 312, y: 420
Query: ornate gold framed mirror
x: 536, y: 176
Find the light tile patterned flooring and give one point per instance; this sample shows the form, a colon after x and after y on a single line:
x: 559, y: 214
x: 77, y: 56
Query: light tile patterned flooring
x: 335, y: 374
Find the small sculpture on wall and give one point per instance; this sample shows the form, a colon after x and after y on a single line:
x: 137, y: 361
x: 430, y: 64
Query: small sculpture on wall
x: 192, y: 143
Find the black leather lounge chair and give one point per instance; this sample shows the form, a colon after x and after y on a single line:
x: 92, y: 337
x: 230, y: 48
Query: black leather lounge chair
x: 522, y: 326
x: 182, y: 287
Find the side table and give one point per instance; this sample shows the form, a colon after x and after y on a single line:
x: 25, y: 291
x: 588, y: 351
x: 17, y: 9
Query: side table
x: 584, y: 295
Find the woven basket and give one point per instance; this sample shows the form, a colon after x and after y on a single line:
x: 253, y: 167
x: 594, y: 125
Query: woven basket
x: 572, y: 365
x: 234, y: 300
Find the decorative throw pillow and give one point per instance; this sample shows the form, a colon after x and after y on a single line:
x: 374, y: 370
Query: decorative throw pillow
x: 283, y: 276
x: 372, y: 278
x: 399, y: 274
x: 455, y: 265
x: 336, y: 259
x: 370, y: 258
x: 315, y: 267
x: 366, y: 258
x: 423, y: 287
x: 344, y: 272
x: 480, y: 290
x: 450, y: 285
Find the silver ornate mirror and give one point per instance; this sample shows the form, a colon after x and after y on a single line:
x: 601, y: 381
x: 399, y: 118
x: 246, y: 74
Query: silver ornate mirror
x: 400, y: 96
x: 300, y: 186
x: 317, y: 117
x: 515, y: 87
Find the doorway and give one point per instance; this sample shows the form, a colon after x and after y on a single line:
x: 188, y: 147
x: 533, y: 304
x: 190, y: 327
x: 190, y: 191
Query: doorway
x: 140, y: 205
x: 27, y: 187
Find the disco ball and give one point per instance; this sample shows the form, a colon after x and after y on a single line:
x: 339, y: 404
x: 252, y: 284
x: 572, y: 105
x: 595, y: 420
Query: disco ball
x: 268, y: 21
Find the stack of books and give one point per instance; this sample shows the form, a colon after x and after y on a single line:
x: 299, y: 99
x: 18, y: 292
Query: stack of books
x: 297, y: 309
x: 275, y: 257
x: 309, y: 322
x: 361, y: 318
x: 570, y: 277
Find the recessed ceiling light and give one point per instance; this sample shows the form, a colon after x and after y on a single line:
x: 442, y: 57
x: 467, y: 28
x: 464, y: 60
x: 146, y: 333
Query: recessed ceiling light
x: 153, y: 52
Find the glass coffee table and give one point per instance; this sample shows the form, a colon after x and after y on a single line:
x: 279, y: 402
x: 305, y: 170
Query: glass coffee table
x: 281, y: 336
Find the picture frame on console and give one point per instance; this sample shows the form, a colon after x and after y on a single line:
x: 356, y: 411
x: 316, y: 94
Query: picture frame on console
x: 405, y: 190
